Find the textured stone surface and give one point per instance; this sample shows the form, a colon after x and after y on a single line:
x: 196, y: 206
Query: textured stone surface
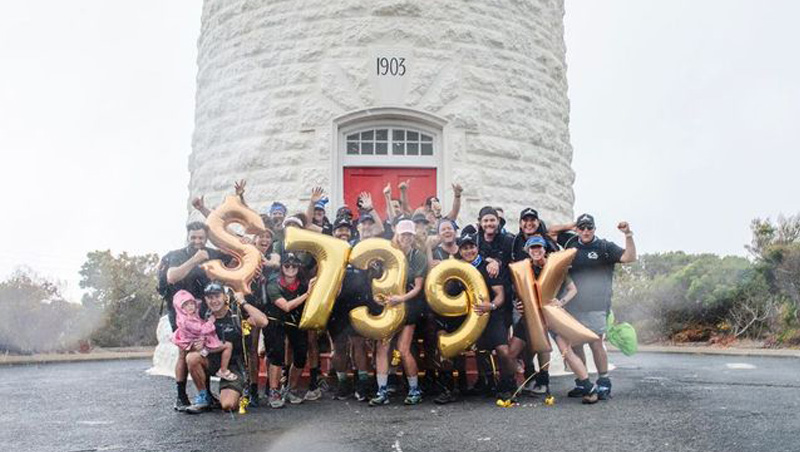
x: 273, y: 76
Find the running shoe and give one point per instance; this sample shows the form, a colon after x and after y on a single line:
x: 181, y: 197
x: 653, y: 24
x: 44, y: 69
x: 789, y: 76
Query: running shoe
x: 445, y: 397
x: 381, y: 398
x: 414, y: 397
x: 590, y: 395
x: 292, y: 397
x: 603, y: 388
x: 275, y: 399
x: 182, y: 403
x: 201, y: 403
x: 577, y: 391
x: 360, y: 394
x: 313, y: 394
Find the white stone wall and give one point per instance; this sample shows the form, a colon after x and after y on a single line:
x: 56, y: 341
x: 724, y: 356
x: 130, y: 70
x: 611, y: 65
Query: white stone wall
x: 273, y: 75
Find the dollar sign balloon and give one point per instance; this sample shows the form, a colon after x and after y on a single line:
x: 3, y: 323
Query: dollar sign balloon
x: 233, y: 211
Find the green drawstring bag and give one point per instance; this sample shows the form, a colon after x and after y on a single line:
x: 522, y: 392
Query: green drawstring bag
x: 621, y: 335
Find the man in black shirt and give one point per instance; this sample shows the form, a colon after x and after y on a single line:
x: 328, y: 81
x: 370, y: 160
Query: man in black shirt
x: 593, y: 273
x: 180, y: 270
x: 228, y: 323
x: 495, y: 336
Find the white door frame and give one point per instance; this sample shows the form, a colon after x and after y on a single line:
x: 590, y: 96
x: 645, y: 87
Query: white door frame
x: 389, y: 117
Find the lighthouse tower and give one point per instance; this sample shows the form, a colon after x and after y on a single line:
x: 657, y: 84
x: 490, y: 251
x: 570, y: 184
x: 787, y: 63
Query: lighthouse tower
x: 354, y: 94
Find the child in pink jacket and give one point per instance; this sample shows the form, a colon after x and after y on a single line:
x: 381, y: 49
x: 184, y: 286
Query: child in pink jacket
x: 192, y: 329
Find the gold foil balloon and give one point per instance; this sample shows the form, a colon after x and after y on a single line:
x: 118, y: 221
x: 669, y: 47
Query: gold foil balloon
x: 536, y: 294
x: 391, y: 282
x: 552, y: 276
x: 331, y: 255
x: 525, y: 287
x: 451, y: 344
x: 233, y: 211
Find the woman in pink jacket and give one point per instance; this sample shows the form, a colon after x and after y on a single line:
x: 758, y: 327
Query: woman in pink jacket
x: 192, y: 330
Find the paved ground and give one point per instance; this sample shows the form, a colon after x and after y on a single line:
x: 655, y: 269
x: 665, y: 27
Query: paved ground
x: 663, y: 402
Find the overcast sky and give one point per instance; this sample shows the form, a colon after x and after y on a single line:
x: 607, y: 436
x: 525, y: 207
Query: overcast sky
x: 684, y: 122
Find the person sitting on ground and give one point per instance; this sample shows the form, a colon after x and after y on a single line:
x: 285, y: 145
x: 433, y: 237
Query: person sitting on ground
x: 228, y: 323
x: 193, y: 330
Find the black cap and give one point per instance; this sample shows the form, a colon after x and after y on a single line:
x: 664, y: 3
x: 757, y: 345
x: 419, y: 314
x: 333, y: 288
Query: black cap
x: 289, y: 257
x: 529, y: 212
x: 342, y: 222
x: 467, y: 238
x: 487, y: 210
x: 400, y: 218
x: 213, y: 287
x: 420, y: 217
x: 344, y: 211
x: 366, y: 217
x: 585, y: 220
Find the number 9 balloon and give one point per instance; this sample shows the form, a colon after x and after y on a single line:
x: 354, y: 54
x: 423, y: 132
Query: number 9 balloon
x: 442, y: 303
x: 233, y: 211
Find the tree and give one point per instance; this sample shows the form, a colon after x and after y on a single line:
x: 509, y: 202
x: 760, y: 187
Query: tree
x: 122, y: 296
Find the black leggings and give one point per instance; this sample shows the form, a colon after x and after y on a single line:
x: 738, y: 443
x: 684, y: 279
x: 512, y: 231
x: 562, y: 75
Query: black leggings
x: 275, y: 336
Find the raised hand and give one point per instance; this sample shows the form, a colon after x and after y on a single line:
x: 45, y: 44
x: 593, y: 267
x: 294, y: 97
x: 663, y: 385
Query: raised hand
x: 387, y: 190
x: 198, y: 203
x: 404, y: 184
x: 624, y: 227
x: 316, y: 194
x: 457, y: 190
x: 366, y: 200
x: 238, y: 186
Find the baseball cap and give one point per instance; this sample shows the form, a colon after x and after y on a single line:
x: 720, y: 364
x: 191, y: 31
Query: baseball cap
x: 529, y: 212
x: 419, y: 217
x: 468, y: 238
x: 585, y: 220
x: 289, y: 257
x: 344, y: 211
x: 405, y: 226
x: 366, y: 217
x: 213, y: 287
x: 487, y: 210
x: 321, y: 203
x: 534, y: 241
x: 277, y: 206
x: 341, y: 222
x: 293, y: 220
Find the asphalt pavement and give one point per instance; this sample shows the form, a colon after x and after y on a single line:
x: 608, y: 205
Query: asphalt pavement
x: 662, y: 402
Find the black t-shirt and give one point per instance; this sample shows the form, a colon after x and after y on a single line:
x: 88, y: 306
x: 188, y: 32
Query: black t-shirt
x: 356, y: 291
x: 388, y: 229
x: 195, y: 282
x: 499, y: 248
x: 592, y: 271
x: 275, y: 291
x: 229, y: 329
x: 440, y: 254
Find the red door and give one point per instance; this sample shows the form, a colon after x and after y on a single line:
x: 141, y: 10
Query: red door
x: 373, y: 179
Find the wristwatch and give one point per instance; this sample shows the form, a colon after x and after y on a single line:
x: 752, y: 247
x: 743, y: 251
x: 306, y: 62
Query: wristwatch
x: 494, y: 306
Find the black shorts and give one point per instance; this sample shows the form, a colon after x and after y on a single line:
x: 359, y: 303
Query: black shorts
x: 448, y: 324
x: 275, y: 335
x: 521, y: 329
x: 172, y: 320
x: 496, y: 332
x: 339, y: 324
x: 213, y: 366
x: 415, y: 309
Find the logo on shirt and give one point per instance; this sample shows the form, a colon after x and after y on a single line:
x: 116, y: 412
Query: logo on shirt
x: 592, y: 255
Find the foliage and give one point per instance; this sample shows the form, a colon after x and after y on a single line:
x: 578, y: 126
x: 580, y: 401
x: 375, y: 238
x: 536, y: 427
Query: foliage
x: 34, y: 317
x: 122, y: 292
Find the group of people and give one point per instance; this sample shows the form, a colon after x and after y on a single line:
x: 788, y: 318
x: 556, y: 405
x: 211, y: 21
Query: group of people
x: 218, y: 331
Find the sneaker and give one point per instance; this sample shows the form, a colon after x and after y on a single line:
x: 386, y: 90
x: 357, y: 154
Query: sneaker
x: 414, y: 397
x: 445, y: 397
x: 577, y: 391
x: 181, y: 403
x: 275, y: 399
x: 342, y: 391
x: 292, y: 397
x: 253, y: 397
x: 541, y: 384
x: 590, y: 395
x: 603, y: 388
x: 360, y: 394
x: 201, y: 403
x: 528, y: 388
x: 381, y: 398
x: 313, y: 394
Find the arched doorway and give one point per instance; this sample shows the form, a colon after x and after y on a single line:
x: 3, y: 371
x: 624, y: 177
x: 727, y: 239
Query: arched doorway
x: 379, y: 146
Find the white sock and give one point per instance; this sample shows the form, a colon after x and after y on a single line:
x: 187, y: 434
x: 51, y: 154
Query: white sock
x: 383, y: 380
x: 413, y: 382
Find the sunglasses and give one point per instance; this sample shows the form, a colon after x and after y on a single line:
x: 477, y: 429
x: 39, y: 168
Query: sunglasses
x: 585, y: 228
x: 291, y: 266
